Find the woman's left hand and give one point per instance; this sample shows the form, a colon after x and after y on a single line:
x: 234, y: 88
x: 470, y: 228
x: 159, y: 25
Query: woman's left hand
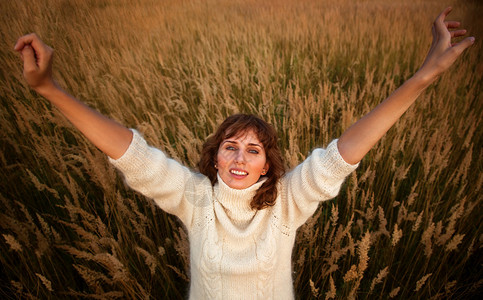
x: 365, y: 133
x: 443, y: 53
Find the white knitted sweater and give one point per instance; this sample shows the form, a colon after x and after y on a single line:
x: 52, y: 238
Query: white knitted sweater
x: 235, y: 252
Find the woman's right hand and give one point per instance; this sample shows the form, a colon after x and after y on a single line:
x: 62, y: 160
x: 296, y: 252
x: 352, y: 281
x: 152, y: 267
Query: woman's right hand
x: 108, y: 135
x: 37, y: 62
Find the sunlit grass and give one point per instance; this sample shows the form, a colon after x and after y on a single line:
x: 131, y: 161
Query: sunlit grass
x: 406, y: 224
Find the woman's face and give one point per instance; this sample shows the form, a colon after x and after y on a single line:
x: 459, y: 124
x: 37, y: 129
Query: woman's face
x: 241, y: 160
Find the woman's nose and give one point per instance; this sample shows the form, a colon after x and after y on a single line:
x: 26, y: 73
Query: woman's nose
x: 240, y: 157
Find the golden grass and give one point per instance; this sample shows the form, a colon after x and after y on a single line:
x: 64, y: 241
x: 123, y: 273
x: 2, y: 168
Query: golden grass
x: 405, y: 225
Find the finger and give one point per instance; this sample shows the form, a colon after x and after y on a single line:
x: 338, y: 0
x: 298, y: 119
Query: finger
x: 30, y: 63
x: 444, y: 13
x: 29, y: 39
x: 458, y: 48
x: 439, y: 22
x: 452, y: 24
x: 22, y: 41
x: 458, y: 33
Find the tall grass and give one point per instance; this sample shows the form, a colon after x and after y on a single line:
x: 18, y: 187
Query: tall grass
x: 406, y: 224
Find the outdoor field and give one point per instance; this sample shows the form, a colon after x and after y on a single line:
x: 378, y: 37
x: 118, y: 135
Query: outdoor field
x: 407, y: 223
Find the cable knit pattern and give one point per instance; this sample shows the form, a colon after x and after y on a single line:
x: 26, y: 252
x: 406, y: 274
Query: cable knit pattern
x: 235, y: 252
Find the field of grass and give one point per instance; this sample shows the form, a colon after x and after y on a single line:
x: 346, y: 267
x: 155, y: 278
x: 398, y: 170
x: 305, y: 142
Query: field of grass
x: 406, y: 225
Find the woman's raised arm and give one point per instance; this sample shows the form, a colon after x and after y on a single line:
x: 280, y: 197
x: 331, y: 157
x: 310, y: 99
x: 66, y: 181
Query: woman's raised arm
x: 356, y: 141
x: 109, y: 136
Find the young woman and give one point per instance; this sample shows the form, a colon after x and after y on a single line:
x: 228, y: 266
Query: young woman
x: 241, y: 212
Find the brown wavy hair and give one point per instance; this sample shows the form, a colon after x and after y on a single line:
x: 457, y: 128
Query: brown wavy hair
x: 267, y: 135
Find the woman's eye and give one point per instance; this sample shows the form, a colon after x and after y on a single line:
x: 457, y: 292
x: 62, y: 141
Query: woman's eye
x: 253, y: 151
x: 230, y: 148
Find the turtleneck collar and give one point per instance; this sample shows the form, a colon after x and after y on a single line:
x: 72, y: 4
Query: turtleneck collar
x: 236, y: 203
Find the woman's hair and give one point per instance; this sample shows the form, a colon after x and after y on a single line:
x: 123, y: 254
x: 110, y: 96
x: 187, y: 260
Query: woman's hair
x: 234, y: 126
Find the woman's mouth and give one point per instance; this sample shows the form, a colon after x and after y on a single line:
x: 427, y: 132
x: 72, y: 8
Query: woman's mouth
x: 239, y: 172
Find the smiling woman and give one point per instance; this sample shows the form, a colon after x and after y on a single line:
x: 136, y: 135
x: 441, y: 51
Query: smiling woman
x: 234, y: 128
x: 241, y: 160
x: 238, y: 246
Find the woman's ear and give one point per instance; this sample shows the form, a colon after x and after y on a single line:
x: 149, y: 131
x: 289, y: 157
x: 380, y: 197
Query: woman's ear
x: 265, y: 169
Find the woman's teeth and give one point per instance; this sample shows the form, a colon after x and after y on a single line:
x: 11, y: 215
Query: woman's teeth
x: 238, y: 172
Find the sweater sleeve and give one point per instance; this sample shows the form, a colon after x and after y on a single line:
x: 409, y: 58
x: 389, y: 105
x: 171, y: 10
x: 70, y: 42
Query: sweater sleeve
x: 317, y: 179
x: 172, y: 186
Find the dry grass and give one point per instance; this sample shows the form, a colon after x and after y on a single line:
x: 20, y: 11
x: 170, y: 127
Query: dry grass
x: 406, y: 224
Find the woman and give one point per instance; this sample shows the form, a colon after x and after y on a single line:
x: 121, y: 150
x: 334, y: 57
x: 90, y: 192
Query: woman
x: 241, y: 212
